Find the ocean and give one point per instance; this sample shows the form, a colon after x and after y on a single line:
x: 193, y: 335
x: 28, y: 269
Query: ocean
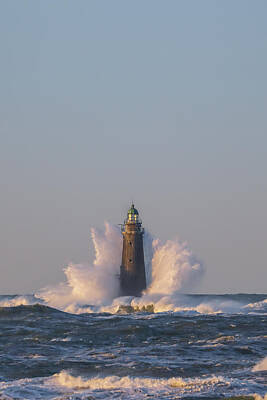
x: 80, y: 340
x: 208, y: 347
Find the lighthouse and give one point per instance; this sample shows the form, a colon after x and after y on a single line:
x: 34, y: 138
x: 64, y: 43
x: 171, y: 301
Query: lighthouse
x: 132, y: 271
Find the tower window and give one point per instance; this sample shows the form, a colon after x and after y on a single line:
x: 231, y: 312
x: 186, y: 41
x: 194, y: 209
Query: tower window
x: 130, y: 260
x: 130, y: 243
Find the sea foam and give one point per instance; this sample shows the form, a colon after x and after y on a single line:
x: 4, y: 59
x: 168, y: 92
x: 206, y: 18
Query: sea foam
x: 115, y: 382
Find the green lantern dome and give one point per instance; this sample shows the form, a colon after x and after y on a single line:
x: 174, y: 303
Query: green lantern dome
x: 133, y: 218
x: 133, y: 211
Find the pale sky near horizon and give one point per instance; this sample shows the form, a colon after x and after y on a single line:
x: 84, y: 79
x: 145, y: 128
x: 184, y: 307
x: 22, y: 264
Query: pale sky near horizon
x: 162, y: 102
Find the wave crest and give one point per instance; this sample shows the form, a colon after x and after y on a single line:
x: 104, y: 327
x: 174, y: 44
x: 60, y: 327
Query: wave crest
x: 115, y: 382
x: 14, y: 301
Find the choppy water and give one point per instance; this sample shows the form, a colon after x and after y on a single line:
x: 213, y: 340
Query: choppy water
x: 191, y: 353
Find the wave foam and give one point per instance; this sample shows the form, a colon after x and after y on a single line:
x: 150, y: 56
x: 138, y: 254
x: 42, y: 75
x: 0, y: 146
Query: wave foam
x: 176, y: 302
x: 258, y: 306
x: 15, y: 301
x: 116, y: 382
x: 64, y: 385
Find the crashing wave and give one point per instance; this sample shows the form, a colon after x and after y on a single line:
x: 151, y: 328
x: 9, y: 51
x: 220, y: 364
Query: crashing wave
x: 63, y: 384
x: 170, y: 268
x: 23, y: 300
x: 127, y: 382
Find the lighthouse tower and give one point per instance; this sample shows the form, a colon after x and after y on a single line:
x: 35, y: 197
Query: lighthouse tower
x: 132, y: 272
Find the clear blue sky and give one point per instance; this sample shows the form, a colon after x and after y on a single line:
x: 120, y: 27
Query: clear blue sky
x: 163, y: 102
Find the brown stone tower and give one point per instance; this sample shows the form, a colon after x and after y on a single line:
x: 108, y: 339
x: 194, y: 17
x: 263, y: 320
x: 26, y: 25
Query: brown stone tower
x: 132, y: 273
